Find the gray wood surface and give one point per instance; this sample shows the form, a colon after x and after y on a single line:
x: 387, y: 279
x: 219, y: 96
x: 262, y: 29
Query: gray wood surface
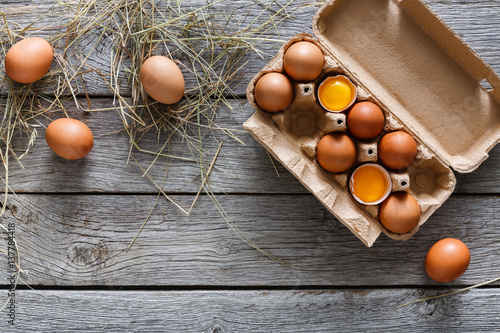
x: 351, y: 310
x: 68, y: 240
x: 480, y: 30
x: 240, y: 168
x: 74, y: 220
x: 232, y: 16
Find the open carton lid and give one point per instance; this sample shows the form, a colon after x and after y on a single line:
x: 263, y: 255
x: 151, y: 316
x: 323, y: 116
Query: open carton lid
x: 420, y: 70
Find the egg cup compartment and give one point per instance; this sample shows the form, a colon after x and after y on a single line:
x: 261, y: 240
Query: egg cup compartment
x: 431, y: 182
x: 308, y: 120
x: 410, y: 54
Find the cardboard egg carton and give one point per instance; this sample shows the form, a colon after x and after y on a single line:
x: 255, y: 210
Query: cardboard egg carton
x: 425, y: 79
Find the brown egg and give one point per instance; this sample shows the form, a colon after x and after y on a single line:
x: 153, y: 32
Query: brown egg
x: 336, y: 152
x: 273, y: 92
x: 447, y: 260
x: 69, y: 138
x: 162, y: 79
x: 397, y: 150
x: 29, y: 60
x: 399, y: 213
x: 303, y: 61
x: 365, y: 120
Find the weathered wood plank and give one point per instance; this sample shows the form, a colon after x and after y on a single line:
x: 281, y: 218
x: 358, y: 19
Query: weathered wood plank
x: 239, y: 169
x: 231, y: 16
x: 349, y: 310
x: 475, y: 21
x: 79, y: 240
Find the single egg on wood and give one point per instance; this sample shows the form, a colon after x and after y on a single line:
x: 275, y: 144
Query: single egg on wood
x: 400, y: 212
x: 447, y: 260
x: 336, y: 152
x: 273, y: 92
x: 29, y: 60
x: 69, y: 138
x: 397, y: 150
x: 303, y: 61
x: 162, y: 79
x: 365, y: 120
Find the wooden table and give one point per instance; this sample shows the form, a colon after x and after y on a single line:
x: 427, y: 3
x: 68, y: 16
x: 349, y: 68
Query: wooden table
x: 74, y: 220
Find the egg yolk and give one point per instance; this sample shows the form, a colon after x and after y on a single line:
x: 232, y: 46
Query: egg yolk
x: 335, y: 94
x: 369, y: 184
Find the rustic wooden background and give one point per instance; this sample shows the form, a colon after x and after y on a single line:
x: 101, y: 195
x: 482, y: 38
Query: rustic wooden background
x: 75, y: 219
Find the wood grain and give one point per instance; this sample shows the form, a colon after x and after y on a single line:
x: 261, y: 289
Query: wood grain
x: 49, y: 19
x: 239, y: 169
x: 79, y: 240
x: 74, y: 220
x: 475, y: 21
x: 351, y: 310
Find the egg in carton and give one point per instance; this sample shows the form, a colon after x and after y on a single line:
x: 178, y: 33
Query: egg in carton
x: 387, y: 27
